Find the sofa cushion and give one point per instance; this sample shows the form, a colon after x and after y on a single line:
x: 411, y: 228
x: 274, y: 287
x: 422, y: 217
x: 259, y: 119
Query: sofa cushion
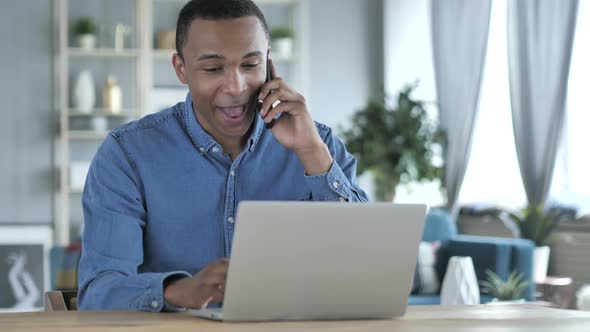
x: 439, y: 226
x: 424, y: 299
x: 426, y: 280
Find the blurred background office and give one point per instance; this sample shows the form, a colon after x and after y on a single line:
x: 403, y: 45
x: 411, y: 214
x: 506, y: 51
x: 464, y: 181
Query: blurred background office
x: 497, y: 93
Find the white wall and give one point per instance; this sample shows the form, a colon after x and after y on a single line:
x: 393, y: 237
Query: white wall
x: 26, y: 110
x: 346, y: 57
x: 407, y: 58
x: 407, y: 47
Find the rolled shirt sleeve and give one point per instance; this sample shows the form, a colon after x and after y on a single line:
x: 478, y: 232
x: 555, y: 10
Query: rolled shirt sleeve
x: 339, y: 183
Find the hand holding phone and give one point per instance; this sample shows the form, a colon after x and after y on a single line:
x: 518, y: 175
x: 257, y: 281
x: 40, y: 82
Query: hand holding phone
x: 295, y: 130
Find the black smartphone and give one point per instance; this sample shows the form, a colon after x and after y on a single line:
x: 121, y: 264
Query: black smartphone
x: 268, y: 79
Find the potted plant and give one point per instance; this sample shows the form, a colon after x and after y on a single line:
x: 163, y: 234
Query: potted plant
x: 536, y: 223
x: 85, y: 32
x: 396, y: 145
x: 509, y: 290
x: 281, y: 39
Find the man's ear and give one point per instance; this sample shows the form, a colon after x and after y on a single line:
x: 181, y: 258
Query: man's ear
x: 179, y: 68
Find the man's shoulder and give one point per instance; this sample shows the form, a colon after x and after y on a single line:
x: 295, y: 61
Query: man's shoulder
x: 142, y: 126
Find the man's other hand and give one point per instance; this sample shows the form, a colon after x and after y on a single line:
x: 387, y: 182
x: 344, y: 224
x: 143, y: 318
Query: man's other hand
x: 196, y: 292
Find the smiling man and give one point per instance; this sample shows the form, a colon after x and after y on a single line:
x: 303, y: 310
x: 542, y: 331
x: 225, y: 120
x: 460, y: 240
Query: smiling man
x: 162, y: 192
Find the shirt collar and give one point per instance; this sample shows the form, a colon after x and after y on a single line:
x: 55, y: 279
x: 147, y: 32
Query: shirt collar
x: 202, y: 140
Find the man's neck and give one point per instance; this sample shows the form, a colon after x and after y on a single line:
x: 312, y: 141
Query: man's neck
x: 232, y: 146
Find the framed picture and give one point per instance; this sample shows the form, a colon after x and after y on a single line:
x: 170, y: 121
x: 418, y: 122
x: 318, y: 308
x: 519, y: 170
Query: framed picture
x: 24, y: 267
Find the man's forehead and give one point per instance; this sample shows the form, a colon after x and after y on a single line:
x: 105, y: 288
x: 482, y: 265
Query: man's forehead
x: 234, y: 33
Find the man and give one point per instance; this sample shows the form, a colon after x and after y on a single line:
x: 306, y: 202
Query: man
x: 162, y: 192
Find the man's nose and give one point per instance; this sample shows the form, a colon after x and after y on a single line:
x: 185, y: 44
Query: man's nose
x: 235, y: 82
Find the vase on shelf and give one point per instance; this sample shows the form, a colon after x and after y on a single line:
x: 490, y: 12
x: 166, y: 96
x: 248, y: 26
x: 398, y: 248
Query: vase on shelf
x: 112, y: 96
x: 83, y: 96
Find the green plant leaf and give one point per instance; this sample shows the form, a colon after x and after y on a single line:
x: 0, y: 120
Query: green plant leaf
x: 511, y: 289
x: 84, y: 25
x: 281, y: 32
x: 397, y: 143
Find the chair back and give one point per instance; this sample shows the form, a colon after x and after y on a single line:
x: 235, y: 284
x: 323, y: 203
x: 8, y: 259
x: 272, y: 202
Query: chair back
x: 61, y: 301
x: 439, y: 226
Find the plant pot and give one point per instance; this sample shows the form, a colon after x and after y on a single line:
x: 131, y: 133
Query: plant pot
x: 502, y: 302
x: 86, y: 41
x: 282, y: 47
x: 583, y: 298
x: 540, y: 263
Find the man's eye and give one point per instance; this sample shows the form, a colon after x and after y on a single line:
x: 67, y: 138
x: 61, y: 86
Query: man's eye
x: 212, y: 69
x: 250, y: 65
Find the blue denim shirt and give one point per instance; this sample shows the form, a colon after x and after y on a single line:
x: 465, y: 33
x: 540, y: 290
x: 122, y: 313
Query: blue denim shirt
x: 161, y: 196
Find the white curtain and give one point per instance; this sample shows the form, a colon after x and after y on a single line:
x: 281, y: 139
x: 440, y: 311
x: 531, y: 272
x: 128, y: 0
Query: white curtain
x: 459, y: 42
x: 540, y: 38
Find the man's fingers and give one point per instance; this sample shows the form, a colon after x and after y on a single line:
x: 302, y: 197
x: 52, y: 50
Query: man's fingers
x: 218, y: 295
x: 268, y: 87
x: 270, y: 100
x: 283, y: 95
x: 213, y: 294
x: 206, y: 302
x: 283, y: 107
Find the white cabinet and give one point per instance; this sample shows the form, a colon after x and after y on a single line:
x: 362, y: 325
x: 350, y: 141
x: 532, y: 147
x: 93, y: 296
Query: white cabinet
x: 144, y: 73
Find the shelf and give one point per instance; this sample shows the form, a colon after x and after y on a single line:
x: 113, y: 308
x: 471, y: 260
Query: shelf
x: 87, y: 134
x: 163, y: 54
x: 141, y: 62
x: 125, y: 113
x: 103, y: 52
x: 72, y: 191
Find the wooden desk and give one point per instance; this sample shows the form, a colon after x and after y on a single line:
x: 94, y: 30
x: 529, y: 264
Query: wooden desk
x: 516, y: 317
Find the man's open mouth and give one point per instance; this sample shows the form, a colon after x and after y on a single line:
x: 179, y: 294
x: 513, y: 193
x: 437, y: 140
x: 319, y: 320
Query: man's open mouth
x: 233, y: 112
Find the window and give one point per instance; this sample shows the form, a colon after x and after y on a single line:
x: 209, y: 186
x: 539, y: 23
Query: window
x: 493, y: 175
x: 571, y: 182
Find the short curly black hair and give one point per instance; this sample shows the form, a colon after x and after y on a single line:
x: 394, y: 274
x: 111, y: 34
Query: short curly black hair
x: 214, y: 10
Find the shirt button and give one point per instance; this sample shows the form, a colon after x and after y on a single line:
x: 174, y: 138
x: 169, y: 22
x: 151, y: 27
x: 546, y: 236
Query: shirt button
x: 202, y: 149
x: 155, y: 304
x: 215, y: 149
x: 232, y: 173
x: 230, y: 220
x: 336, y: 184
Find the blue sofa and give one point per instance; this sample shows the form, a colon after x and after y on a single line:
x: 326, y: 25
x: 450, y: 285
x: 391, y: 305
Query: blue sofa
x: 501, y: 255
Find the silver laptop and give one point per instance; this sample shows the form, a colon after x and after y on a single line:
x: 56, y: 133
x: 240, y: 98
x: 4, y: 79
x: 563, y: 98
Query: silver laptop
x: 320, y: 261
